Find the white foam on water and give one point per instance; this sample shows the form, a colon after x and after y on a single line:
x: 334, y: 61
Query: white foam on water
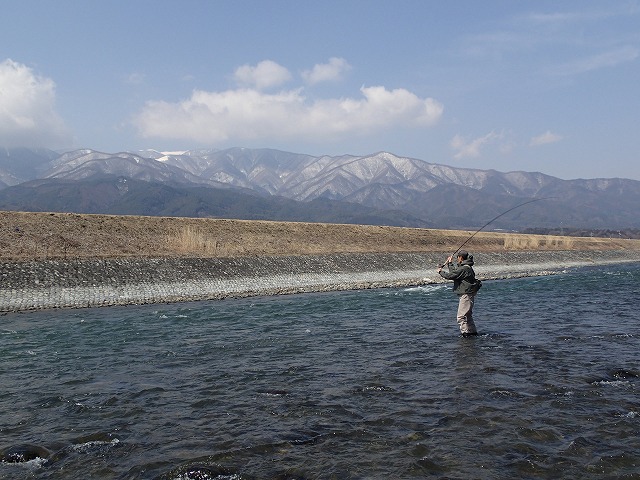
x: 424, y: 288
x: 206, y: 476
x: 32, y: 465
x: 613, y: 383
x: 83, y: 447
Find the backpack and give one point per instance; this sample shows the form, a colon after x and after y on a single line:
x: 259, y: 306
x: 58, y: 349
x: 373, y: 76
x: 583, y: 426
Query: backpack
x: 472, y: 287
x: 476, y: 286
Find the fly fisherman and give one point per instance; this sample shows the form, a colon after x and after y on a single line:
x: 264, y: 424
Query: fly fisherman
x: 466, y: 287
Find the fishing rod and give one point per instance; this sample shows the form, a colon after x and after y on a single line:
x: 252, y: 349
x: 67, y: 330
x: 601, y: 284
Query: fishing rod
x: 493, y: 220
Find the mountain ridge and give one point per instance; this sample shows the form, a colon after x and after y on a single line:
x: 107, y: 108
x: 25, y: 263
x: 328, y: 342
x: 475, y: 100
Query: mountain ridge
x: 429, y: 193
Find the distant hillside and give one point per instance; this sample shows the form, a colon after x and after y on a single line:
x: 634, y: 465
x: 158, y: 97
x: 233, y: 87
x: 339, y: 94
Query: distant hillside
x: 125, y: 196
x: 19, y: 165
x: 381, y: 188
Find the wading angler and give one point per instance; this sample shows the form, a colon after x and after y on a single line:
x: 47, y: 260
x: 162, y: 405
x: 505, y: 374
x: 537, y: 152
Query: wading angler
x: 465, y: 285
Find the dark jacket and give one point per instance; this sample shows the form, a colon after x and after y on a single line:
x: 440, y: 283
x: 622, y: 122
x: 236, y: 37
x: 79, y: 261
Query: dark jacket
x: 462, y: 275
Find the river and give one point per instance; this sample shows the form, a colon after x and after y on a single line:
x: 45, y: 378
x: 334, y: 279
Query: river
x: 368, y: 384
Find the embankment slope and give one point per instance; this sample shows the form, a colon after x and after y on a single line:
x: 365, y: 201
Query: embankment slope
x: 55, y: 260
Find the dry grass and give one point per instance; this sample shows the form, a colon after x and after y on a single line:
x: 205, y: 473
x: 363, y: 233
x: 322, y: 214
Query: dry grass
x: 538, y: 242
x: 192, y: 240
x: 26, y: 236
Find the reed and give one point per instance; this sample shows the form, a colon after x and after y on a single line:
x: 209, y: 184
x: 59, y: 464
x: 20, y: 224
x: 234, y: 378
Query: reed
x: 537, y: 242
x: 194, y: 241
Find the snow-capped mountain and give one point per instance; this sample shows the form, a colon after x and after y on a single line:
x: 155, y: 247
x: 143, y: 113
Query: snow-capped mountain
x: 304, y: 177
x: 438, y: 194
x: 83, y: 164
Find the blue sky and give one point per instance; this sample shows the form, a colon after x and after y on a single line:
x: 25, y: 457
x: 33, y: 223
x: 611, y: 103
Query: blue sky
x: 548, y: 86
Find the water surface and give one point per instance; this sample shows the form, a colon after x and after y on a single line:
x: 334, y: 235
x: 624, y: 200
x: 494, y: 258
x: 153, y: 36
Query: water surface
x: 344, y: 385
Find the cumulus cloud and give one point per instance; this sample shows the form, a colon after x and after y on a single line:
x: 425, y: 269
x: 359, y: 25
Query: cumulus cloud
x: 545, y: 138
x: 266, y: 74
x: 27, y: 109
x: 326, y: 72
x: 471, y: 148
x: 250, y: 114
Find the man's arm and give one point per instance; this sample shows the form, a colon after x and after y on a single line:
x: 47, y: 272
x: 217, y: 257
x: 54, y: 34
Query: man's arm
x: 453, y: 273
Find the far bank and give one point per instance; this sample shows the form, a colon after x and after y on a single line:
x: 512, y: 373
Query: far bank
x: 26, y: 236
x: 60, y: 260
x: 80, y: 283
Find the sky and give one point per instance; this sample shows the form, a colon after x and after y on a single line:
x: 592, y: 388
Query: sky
x: 536, y: 86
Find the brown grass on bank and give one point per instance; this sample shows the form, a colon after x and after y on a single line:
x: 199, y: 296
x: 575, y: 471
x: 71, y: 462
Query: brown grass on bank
x: 27, y: 236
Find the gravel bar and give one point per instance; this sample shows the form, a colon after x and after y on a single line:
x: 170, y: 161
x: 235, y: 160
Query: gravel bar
x: 80, y: 283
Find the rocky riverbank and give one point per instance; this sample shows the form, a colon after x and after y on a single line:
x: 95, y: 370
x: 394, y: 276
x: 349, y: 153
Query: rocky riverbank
x: 62, y: 260
x: 78, y: 283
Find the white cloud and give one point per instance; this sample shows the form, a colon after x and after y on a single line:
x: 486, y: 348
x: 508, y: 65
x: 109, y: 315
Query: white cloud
x: 265, y: 74
x: 548, y: 36
x: 27, y: 114
x: 465, y: 148
x: 326, y: 72
x: 583, y: 16
x: 608, y: 59
x: 135, y: 78
x: 545, y: 138
x: 249, y: 114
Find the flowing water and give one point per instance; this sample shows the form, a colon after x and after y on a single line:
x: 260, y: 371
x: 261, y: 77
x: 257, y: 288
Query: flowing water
x: 349, y: 385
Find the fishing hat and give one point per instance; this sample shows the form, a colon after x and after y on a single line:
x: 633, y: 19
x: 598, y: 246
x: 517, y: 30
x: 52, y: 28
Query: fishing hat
x: 463, y: 253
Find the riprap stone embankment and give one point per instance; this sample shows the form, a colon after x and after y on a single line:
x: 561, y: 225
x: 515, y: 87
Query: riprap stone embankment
x: 76, y: 283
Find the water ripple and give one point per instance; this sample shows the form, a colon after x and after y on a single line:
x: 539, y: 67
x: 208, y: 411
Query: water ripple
x: 349, y: 385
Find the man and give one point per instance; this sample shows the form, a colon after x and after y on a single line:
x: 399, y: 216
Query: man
x: 466, y: 287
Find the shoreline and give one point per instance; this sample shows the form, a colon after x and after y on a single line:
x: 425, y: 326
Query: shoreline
x: 84, y: 283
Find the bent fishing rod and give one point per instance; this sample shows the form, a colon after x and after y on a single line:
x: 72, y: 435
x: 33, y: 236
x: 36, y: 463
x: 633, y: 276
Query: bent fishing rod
x: 493, y: 220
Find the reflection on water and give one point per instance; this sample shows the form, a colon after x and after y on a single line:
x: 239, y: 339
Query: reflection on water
x: 366, y: 384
